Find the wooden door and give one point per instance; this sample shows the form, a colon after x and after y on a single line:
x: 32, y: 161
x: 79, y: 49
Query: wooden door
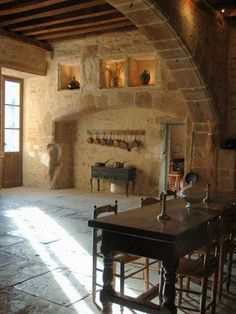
x: 12, y: 132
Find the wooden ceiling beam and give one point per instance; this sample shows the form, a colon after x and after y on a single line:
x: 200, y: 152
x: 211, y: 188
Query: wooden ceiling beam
x: 25, y: 40
x: 9, y: 20
x: 84, y: 31
x: 50, y: 22
x: 62, y: 27
x: 95, y: 33
x: 22, y: 6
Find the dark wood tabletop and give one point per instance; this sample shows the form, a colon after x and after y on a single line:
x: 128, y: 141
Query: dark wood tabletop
x: 143, y: 221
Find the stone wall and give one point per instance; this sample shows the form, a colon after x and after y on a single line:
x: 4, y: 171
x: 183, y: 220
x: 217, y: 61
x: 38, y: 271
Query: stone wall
x: 231, y: 118
x: 177, y: 141
x: 96, y: 108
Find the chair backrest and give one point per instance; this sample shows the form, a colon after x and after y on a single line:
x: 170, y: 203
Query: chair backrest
x: 215, y: 235
x: 105, y: 209
x: 98, y: 211
x: 148, y: 201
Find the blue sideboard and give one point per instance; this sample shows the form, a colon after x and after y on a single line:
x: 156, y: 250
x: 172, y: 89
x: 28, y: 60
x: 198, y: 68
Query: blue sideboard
x: 116, y: 174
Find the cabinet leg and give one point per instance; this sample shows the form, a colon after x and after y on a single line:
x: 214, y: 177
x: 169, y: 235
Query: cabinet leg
x: 133, y: 186
x: 98, y: 184
x: 91, y: 185
x: 127, y: 188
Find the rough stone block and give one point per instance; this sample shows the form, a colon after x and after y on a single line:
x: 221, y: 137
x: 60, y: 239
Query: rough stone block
x: 187, y: 78
x: 173, y: 53
x: 144, y: 17
x: 195, y: 94
x: 177, y: 64
x: 143, y: 99
x: 171, y: 43
x: 157, y: 31
x: 200, y: 111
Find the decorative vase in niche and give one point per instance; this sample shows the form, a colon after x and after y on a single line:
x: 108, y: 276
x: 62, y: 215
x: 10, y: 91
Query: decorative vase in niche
x: 192, y: 195
x: 73, y: 84
x: 144, y: 77
x: 114, y: 82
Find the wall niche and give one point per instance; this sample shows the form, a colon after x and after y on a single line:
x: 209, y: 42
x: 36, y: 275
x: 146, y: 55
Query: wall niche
x: 142, y: 71
x: 112, y: 73
x: 68, y: 72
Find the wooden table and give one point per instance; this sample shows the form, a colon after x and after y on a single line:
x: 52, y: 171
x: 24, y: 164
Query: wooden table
x: 138, y: 231
x: 110, y: 173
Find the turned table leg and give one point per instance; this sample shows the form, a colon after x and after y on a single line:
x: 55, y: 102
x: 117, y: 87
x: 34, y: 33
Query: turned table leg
x: 107, y: 284
x: 170, y: 267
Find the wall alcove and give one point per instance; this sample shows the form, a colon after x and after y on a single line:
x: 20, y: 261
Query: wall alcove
x: 73, y: 136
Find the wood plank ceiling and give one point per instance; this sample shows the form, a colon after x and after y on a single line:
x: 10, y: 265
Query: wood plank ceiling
x: 45, y: 21
x: 53, y: 20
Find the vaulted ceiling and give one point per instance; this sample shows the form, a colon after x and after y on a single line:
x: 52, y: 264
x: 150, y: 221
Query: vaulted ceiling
x: 45, y: 21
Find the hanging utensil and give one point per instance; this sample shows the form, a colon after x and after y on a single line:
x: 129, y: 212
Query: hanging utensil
x: 97, y: 139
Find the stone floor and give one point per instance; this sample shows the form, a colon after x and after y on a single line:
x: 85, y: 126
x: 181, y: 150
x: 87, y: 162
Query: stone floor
x: 45, y: 252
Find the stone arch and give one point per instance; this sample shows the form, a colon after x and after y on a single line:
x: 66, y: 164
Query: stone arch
x: 203, y: 113
x: 149, y: 19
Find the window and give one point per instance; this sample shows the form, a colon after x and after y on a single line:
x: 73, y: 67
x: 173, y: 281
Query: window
x: 12, y: 109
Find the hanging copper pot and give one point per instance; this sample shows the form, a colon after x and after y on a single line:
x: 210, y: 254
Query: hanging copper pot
x: 103, y: 141
x: 110, y: 141
x: 116, y: 143
x: 97, y: 140
x: 90, y: 140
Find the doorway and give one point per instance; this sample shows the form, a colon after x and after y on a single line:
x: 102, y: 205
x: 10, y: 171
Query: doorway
x: 173, y: 156
x: 12, y: 94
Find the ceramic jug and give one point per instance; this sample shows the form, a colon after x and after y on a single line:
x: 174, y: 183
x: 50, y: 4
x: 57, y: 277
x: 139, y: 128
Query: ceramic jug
x: 144, y: 77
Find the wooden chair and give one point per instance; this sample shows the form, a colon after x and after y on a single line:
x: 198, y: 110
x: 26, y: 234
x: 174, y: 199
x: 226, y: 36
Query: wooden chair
x: 226, y: 258
x: 202, y: 269
x: 119, y: 258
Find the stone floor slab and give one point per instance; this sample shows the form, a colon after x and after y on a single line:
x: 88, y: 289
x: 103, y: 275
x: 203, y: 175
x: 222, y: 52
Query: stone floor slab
x: 7, y: 259
x: 21, y: 271
x: 8, y: 240
x: 59, y: 286
x: 13, y: 301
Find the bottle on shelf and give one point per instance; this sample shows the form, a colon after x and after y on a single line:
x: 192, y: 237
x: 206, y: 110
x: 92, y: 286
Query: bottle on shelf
x: 73, y: 84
